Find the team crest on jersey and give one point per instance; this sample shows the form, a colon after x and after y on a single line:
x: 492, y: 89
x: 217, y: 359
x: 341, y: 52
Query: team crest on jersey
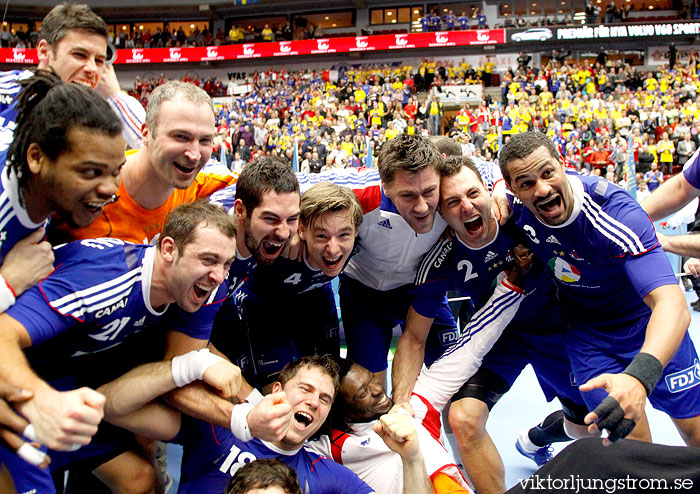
x: 563, y: 271
x: 490, y: 256
x: 684, y: 379
x: 552, y: 240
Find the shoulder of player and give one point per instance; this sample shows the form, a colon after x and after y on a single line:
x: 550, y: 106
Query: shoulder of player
x: 101, y: 257
x: 437, y: 257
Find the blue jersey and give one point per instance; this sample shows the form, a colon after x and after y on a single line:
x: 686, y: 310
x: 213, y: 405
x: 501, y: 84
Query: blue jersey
x: 128, y: 109
x: 15, y: 223
x: 96, y: 297
x: 286, y: 278
x: 463, y: 22
x: 213, y: 454
x: 453, y: 265
x: 605, y: 258
x: 692, y: 171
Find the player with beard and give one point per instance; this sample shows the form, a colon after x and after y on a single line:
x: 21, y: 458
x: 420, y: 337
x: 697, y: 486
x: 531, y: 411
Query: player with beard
x: 299, y: 288
x: 102, y: 291
x: 265, y: 205
x: 470, y: 264
x: 72, y: 170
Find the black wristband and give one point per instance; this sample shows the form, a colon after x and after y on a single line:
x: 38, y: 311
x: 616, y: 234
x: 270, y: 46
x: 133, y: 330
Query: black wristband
x: 646, y: 369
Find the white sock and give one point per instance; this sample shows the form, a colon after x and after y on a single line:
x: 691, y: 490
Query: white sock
x: 526, y: 443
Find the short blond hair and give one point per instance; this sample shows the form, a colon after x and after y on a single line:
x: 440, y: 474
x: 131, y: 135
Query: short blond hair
x: 327, y: 197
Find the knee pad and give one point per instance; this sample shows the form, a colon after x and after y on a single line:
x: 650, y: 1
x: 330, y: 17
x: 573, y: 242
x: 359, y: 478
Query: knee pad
x: 485, y: 386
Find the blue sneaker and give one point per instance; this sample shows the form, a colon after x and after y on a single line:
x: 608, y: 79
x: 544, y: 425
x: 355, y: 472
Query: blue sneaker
x: 541, y: 456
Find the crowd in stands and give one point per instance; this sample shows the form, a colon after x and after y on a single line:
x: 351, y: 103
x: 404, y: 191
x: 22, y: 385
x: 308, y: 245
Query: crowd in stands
x: 592, y: 112
x: 177, y: 36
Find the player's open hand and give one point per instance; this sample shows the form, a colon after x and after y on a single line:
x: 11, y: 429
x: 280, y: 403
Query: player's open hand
x: 270, y: 419
x: 109, y: 84
x: 621, y: 410
x: 692, y: 266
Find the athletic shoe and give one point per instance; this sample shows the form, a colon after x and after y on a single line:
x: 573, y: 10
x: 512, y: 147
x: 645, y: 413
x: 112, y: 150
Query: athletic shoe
x: 687, y: 284
x: 541, y: 456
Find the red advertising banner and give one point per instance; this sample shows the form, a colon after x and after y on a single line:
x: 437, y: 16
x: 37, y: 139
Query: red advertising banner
x: 288, y: 48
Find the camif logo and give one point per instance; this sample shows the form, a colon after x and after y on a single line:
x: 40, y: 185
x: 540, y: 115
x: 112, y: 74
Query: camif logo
x: 361, y: 42
x: 322, y: 44
x: 17, y: 54
x: 441, y: 38
x: 401, y: 39
x: 285, y: 46
x: 248, y: 49
x: 483, y: 36
x: 136, y: 55
x: 174, y: 52
x: 212, y: 52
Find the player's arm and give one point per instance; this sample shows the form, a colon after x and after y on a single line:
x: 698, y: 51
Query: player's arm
x: 28, y: 262
x: 459, y: 362
x: 410, y: 351
x: 671, y: 196
x: 666, y: 328
x: 129, y: 109
x: 683, y: 245
x: 129, y: 398
x: 400, y: 435
x: 60, y: 419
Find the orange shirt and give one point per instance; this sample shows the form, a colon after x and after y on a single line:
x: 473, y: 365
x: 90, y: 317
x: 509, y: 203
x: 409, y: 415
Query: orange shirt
x: 444, y: 484
x: 128, y: 221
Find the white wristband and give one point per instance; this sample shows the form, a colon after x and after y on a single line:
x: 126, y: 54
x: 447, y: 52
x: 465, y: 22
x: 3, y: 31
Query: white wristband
x: 7, y: 295
x: 30, y: 454
x: 239, y: 421
x: 192, y: 365
x: 254, y: 397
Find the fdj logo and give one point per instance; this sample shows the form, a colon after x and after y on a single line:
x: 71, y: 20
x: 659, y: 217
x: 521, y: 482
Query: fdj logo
x: 448, y: 336
x: 684, y: 379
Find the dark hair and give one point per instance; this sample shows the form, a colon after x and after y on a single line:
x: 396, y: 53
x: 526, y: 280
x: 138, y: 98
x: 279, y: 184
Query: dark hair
x: 66, y: 17
x: 448, y: 146
x: 182, y: 222
x: 453, y: 164
x: 522, y: 145
x: 261, y: 474
x: 47, y: 110
x: 336, y: 417
x: 325, y: 362
x: 266, y: 173
x: 410, y: 153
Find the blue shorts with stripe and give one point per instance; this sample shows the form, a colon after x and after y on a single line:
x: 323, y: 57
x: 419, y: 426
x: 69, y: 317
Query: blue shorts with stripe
x: 544, y: 350
x: 596, y: 350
